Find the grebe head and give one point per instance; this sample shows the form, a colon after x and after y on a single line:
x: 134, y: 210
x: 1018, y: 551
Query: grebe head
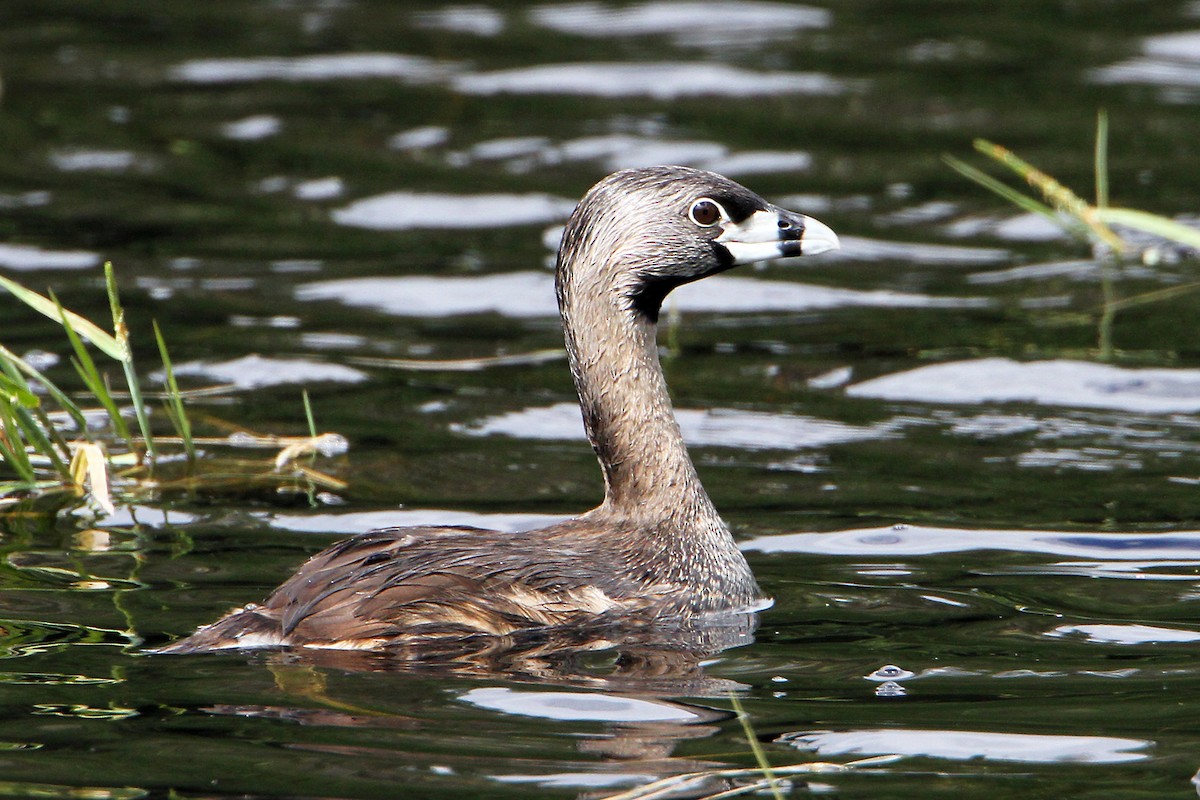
x: 639, y: 233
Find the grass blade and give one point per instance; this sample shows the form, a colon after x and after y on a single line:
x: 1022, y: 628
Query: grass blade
x: 759, y: 756
x: 51, y: 308
x: 1010, y: 194
x: 1151, y: 223
x: 86, y: 368
x: 1101, y: 159
x: 1155, y: 296
x: 14, y: 365
x: 12, y: 447
x: 174, y: 402
x: 1058, y: 195
x: 22, y: 404
x: 308, y: 414
x: 131, y: 379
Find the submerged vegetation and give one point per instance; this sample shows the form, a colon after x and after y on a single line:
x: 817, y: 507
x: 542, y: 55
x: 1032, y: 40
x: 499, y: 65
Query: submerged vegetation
x: 1095, y: 223
x: 59, y: 450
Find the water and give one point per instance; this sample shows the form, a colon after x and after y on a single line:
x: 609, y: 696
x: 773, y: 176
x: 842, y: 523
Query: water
x: 983, y: 545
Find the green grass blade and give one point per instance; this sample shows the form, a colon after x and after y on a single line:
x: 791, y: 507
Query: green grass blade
x: 308, y: 414
x: 18, y: 372
x: 18, y: 391
x: 1151, y: 223
x: 131, y: 379
x: 1010, y: 194
x: 175, y: 409
x: 1060, y: 196
x: 1154, y: 297
x: 51, y: 308
x: 759, y: 756
x: 12, y: 447
x: 86, y: 368
x: 22, y: 406
x: 14, y: 364
x: 1101, y: 157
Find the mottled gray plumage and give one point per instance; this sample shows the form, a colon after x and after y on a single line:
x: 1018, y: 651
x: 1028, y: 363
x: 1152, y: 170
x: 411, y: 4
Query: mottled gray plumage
x: 655, y: 549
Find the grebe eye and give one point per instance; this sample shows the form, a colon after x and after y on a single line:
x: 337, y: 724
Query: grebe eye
x: 705, y: 212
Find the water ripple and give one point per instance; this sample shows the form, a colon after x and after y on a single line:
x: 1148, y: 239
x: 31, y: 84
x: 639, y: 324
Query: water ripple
x: 960, y: 745
x: 1057, y: 382
x: 661, y: 80
x: 531, y: 294
x: 920, y: 540
x: 744, y: 23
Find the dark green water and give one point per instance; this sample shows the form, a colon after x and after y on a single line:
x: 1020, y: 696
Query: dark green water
x: 1039, y: 609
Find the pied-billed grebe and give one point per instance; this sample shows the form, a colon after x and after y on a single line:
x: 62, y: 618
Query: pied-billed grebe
x: 656, y: 547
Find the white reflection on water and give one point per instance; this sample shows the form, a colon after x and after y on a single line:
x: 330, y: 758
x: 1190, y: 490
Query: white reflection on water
x: 84, y: 160
x: 738, y: 22
x: 32, y: 199
x: 578, y: 780
x: 328, y: 67
x: 1125, y: 634
x: 1089, y: 459
x: 1075, y: 270
x: 752, y: 430
x: 1020, y: 228
x: 253, y: 372
x: 416, y: 210
x: 1169, y: 60
x: 577, y: 706
x: 319, y: 189
x: 531, y: 294
x: 919, y: 540
x: 259, y: 126
x: 619, y: 150
x: 663, y: 80
x: 1127, y: 435
x: 21, y: 256
x: 477, y: 20
x: 859, y: 248
x: 959, y: 745
x: 420, y: 138
x: 1059, y: 382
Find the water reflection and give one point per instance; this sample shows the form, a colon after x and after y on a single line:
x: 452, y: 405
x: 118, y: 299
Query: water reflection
x: 662, y: 80
x: 84, y: 160
x: 714, y: 427
x: 744, y: 23
x: 1107, y: 633
x: 615, y: 151
x: 1170, y: 60
x: 255, y: 372
x: 1062, y: 382
x: 339, y: 66
x: 913, y: 540
x: 478, y: 20
x: 531, y: 294
x: 581, y: 707
x: 1019, y: 228
x: 30, y: 257
x: 405, y: 210
x: 259, y: 126
x: 958, y: 745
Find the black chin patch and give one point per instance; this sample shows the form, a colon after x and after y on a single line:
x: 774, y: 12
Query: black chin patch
x: 724, y: 257
x: 647, y: 298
